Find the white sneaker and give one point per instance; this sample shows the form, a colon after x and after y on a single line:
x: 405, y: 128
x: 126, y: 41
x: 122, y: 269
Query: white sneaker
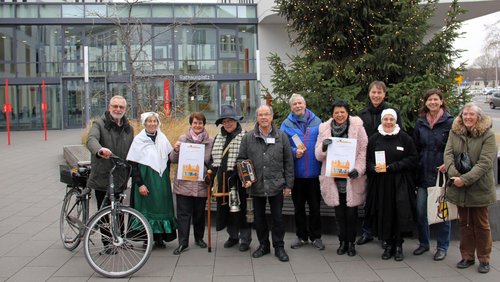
x: 297, y: 243
x: 318, y: 244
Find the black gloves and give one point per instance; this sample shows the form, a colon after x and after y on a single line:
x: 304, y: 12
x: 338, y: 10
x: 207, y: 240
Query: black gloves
x: 326, y: 142
x: 353, y: 174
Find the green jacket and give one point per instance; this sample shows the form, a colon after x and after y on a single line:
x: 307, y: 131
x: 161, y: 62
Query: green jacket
x: 479, y: 189
x: 106, y: 133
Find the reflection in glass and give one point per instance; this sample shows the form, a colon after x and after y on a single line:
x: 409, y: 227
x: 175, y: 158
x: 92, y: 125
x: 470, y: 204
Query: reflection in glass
x: 26, y: 113
x: 50, y: 11
x: 205, y: 12
x: 72, y: 11
x: 27, y: 11
x: 247, y: 12
x: 226, y: 11
x: 193, y: 96
x: 73, y: 94
x: 184, y: 11
x: 95, y: 11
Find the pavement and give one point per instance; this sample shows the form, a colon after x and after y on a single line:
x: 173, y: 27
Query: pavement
x: 30, y: 248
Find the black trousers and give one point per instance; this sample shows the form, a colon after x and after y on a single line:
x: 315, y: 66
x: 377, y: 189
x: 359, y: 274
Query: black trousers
x: 346, y: 219
x: 190, y: 209
x: 306, y: 190
x: 260, y: 223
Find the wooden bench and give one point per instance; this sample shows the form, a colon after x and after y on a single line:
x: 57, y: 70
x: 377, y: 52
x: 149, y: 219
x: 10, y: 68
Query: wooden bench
x: 289, y: 210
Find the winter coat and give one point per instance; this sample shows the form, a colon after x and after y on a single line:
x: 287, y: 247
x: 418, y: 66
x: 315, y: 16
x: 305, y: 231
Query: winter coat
x: 391, y: 202
x: 307, y: 166
x: 430, y: 145
x: 187, y: 187
x: 105, y: 133
x: 356, y: 188
x: 273, y: 163
x: 479, y: 189
x: 372, y: 119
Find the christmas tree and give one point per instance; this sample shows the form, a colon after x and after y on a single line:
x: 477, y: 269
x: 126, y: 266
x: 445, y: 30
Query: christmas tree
x: 345, y: 45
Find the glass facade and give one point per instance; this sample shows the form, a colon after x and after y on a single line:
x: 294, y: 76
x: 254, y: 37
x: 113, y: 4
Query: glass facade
x: 207, y: 56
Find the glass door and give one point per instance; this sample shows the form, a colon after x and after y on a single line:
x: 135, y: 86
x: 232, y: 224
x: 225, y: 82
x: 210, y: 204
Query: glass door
x: 73, y: 103
x: 98, y: 98
x: 229, y: 95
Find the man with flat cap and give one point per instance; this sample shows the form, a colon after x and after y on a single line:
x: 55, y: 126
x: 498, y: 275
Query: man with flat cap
x: 224, y: 153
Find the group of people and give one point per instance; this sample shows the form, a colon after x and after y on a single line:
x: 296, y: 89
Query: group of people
x: 290, y: 161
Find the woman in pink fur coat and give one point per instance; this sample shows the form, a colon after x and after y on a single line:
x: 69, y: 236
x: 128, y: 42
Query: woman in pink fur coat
x: 345, y: 194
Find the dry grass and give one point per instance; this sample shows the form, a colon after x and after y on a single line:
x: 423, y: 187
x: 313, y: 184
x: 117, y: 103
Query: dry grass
x: 173, y: 128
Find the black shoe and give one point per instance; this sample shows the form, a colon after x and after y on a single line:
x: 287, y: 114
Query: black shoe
x: 230, y: 243
x: 160, y: 244
x: 179, y: 249
x: 363, y: 240
x: 464, y: 263
x: 388, y: 252
x: 420, y: 250
x: 351, y: 250
x: 281, y: 254
x: 244, y: 247
x: 200, y: 243
x: 398, y: 254
x: 439, y: 255
x: 484, y: 267
x: 342, y: 248
x: 262, y: 250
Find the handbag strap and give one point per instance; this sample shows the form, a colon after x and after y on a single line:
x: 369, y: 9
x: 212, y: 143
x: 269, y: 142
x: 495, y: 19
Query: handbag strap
x: 438, y: 177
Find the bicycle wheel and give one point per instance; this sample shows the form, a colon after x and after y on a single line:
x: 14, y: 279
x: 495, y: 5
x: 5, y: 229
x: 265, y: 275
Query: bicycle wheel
x: 71, y: 219
x: 129, y: 253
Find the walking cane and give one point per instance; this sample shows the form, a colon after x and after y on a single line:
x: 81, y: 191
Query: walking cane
x: 209, y: 200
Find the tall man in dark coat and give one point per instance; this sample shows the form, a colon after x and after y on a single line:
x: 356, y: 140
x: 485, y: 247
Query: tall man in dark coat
x: 269, y: 150
x: 110, y: 134
x: 371, y: 120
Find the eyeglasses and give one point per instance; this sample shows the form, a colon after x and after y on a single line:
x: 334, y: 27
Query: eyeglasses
x: 118, y: 107
x: 227, y: 121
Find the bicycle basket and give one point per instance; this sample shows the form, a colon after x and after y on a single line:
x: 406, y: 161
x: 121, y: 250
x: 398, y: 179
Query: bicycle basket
x: 65, y: 174
x: 72, y: 176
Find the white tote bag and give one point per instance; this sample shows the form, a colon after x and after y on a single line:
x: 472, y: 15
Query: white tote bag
x: 438, y: 207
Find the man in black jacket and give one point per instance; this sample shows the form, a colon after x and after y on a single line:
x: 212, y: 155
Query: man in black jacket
x: 269, y: 150
x: 371, y: 120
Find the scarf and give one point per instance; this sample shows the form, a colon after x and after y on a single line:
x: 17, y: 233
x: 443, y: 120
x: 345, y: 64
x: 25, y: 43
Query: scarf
x: 153, y: 154
x: 340, y: 130
x: 431, y: 120
x: 197, y: 138
x: 234, y: 147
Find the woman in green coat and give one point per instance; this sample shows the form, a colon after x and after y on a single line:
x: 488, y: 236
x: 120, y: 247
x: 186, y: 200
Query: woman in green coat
x: 151, y: 190
x: 473, y: 190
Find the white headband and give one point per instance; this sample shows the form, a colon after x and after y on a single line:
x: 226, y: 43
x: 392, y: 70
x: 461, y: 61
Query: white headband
x: 389, y: 112
x: 146, y: 115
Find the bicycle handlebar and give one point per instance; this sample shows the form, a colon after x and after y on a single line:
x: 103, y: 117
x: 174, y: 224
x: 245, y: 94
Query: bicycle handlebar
x: 119, y: 161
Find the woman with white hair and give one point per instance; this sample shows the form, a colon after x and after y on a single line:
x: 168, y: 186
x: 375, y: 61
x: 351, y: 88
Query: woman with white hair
x: 472, y: 188
x: 391, y: 160
x: 151, y: 192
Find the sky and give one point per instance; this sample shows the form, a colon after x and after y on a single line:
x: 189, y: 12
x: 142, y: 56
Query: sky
x: 473, y: 38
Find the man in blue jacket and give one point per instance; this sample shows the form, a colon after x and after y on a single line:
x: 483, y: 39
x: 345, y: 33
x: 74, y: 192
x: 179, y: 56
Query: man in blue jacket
x: 302, y: 126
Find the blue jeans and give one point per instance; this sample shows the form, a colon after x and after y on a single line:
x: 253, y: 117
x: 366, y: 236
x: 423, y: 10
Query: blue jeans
x: 443, y: 228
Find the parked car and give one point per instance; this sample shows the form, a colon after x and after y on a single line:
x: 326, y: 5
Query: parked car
x: 494, y: 98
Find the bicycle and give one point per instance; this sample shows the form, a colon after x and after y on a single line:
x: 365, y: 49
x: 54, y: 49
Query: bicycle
x: 118, y: 239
